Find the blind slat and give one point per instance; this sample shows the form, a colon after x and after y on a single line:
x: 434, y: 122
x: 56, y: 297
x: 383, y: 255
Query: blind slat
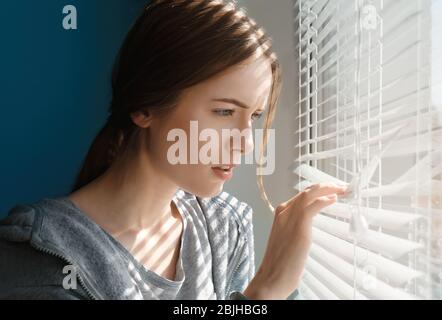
x: 338, y: 286
x: 318, y: 288
x: 388, y: 245
x: 388, y: 219
x: 394, y: 272
x: 367, y: 283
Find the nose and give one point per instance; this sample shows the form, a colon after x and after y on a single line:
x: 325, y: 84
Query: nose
x: 245, y: 136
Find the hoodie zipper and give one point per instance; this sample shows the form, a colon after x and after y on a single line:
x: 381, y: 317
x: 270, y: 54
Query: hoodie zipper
x: 55, y: 254
x: 235, y: 263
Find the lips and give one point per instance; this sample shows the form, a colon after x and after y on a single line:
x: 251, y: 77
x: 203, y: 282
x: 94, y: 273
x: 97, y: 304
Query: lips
x: 227, y: 167
x: 224, y: 172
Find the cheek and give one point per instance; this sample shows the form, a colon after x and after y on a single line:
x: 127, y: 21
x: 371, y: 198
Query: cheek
x: 194, y: 178
x: 159, y: 146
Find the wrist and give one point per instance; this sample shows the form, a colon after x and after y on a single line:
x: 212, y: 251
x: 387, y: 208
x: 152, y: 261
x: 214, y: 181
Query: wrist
x: 262, y: 288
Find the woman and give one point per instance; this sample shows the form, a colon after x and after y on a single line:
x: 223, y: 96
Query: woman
x: 137, y: 226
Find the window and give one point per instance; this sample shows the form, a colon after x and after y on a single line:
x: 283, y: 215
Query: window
x: 370, y: 114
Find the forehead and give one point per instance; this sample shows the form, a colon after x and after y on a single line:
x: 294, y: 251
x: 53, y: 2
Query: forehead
x: 249, y: 82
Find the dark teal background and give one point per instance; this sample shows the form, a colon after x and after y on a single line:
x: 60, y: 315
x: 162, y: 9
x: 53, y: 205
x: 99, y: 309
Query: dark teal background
x: 55, y: 89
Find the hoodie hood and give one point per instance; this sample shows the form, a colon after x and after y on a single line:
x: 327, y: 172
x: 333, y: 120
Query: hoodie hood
x: 17, y: 226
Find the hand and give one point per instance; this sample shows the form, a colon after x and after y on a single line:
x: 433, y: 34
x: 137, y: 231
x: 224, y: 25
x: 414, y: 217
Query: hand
x: 289, y: 242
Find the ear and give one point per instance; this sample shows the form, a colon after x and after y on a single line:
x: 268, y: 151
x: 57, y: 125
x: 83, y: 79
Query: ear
x: 142, y: 118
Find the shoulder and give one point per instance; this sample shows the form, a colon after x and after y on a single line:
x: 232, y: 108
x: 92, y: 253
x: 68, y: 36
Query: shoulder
x: 20, y: 259
x: 26, y: 273
x: 17, y: 225
x: 234, y: 208
x: 225, y: 219
x: 223, y: 208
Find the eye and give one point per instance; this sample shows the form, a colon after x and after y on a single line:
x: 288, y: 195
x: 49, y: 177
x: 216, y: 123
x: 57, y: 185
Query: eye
x: 230, y: 112
x: 256, y: 116
x: 224, y: 112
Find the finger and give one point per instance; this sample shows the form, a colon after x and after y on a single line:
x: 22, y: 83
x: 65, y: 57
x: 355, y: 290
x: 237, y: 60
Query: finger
x: 325, y: 189
x: 312, y: 192
x: 320, y: 203
x: 284, y: 205
x: 288, y: 203
x: 310, y: 186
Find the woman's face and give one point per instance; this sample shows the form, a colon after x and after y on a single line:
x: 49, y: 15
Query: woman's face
x: 211, y: 105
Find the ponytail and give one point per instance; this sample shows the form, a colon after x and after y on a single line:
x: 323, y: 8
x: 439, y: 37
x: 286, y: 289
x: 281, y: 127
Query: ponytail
x: 101, y: 154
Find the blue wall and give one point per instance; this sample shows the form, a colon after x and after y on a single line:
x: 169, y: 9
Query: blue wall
x: 55, y: 89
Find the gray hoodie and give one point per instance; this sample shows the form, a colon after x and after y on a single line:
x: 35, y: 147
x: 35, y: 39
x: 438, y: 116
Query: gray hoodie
x: 43, y: 243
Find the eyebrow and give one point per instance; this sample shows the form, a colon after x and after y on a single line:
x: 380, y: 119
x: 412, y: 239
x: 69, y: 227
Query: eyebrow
x: 235, y: 102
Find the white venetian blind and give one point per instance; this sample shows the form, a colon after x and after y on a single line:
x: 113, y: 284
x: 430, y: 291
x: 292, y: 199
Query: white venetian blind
x: 370, y: 115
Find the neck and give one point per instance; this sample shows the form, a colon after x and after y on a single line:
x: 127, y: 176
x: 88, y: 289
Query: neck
x: 131, y: 195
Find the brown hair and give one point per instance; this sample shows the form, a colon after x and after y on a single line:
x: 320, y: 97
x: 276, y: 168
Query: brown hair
x: 173, y: 45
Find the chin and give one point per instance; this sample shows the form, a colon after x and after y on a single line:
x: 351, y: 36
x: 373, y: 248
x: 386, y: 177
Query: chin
x: 208, y: 192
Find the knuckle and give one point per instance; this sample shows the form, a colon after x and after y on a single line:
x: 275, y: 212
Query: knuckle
x: 279, y: 208
x: 316, y: 186
x: 303, y: 196
x: 327, y: 185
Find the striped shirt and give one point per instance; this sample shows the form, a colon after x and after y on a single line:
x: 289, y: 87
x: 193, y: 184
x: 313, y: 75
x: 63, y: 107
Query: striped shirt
x: 216, y: 255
